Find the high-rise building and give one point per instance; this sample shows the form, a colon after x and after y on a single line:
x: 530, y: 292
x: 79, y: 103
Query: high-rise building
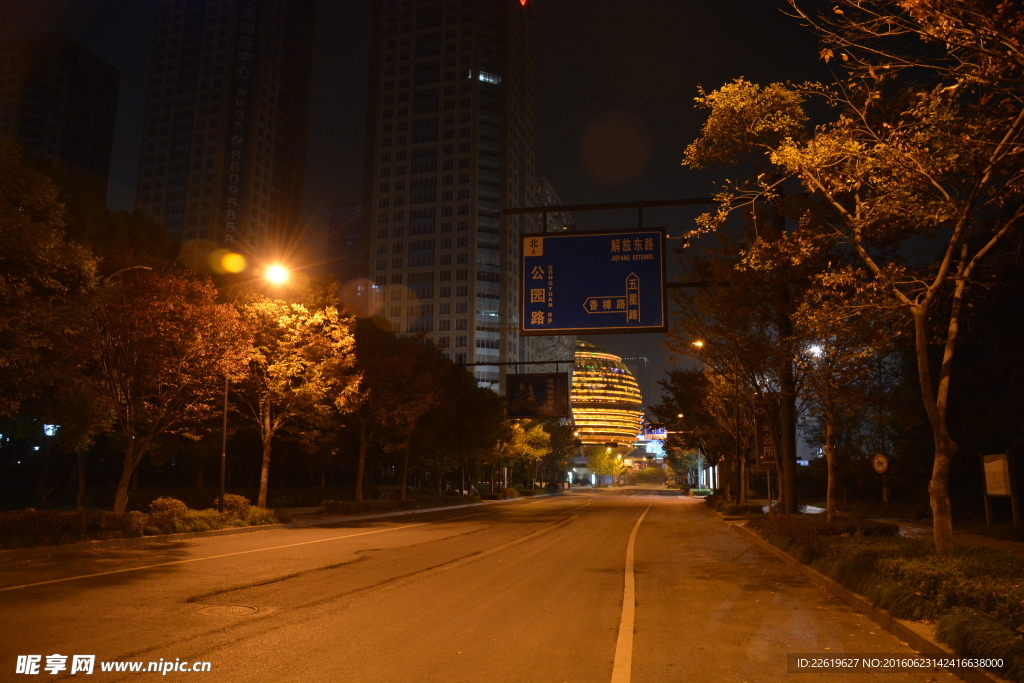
x: 60, y: 101
x: 224, y: 147
x: 450, y: 143
x: 346, y: 258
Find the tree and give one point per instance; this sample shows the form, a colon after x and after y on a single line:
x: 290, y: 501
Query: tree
x: 161, y: 345
x: 842, y: 347
x: 923, y: 158
x: 44, y: 279
x: 745, y: 332
x: 396, y: 389
x: 462, y: 424
x: 301, y: 365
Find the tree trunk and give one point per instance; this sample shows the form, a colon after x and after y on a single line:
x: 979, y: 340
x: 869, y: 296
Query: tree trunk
x: 128, y: 468
x: 405, y: 470
x: 787, y: 420
x: 264, y: 475
x: 361, y: 464
x: 945, y: 447
x: 830, y: 459
x: 199, y: 473
x: 266, y: 436
x: 80, y: 495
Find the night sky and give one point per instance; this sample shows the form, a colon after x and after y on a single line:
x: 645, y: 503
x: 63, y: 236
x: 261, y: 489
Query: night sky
x: 614, y: 93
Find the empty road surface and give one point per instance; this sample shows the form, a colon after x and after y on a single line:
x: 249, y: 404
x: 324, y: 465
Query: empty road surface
x: 528, y: 590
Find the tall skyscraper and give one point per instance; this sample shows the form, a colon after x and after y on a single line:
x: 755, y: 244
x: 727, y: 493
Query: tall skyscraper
x: 60, y: 101
x: 346, y: 257
x: 450, y: 143
x: 224, y: 147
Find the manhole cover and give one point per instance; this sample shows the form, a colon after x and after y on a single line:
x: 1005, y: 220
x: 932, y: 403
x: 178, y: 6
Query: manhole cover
x: 226, y: 610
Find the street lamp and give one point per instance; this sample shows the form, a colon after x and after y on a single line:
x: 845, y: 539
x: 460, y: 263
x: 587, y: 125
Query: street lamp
x: 275, y: 275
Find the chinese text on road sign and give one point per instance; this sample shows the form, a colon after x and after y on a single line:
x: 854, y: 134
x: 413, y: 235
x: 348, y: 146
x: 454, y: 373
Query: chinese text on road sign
x: 588, y: 283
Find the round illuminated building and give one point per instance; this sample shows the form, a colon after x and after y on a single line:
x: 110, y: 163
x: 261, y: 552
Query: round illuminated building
x: 606, y: 401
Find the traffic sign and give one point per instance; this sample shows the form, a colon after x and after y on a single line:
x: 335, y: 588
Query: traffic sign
x: 880, y: 463
x: 593, y: 282
x: 538, y: 395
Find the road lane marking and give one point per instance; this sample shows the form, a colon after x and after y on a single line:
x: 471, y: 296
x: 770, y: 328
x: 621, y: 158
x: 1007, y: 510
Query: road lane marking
x: 621, y: 669
x: 245, y: 552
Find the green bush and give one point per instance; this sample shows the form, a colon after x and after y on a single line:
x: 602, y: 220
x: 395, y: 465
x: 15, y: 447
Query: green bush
x: 807, y: 529
x: 528, y: 492
x: 982, y: 636
x: 30, y: 528
x: 701, y: 492
x: 510, y: 493
x: 238, y: 506
x: 171, y: 508
x: 490, y: 496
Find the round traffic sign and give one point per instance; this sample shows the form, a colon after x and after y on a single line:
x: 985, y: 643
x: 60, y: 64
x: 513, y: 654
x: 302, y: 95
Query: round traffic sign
x: 880, y: 463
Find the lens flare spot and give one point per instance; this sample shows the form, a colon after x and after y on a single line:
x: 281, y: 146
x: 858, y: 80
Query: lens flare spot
x: 232, y: 262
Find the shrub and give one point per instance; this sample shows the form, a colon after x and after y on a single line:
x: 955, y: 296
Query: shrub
x: 283, y: 516
x: 528, y: 492
x: 172, y: 509
x: 510, y: 493
x: 552, y: 487
x: 701, y: 492
x: 975, y: 594
x: 806, y: 530
x: 235, y: 505
x: 30, y: 528
x: 490, y: 496
x: 969, y: 631
x: 256, y: 516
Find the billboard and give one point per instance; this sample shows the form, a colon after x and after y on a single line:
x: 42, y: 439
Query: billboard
x: 593, y: 282
x: 539, y: 395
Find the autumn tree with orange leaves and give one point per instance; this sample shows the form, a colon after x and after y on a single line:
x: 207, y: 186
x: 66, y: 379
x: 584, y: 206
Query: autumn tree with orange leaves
x: 918, y: 174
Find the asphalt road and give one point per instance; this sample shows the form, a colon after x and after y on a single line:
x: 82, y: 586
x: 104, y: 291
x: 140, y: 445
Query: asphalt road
x: 530, y: 590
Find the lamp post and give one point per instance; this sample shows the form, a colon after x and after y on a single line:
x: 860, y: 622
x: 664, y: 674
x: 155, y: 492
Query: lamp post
x: 276, y: 274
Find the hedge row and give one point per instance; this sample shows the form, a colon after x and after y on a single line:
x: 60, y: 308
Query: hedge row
x: 31, y: 528
x: 974, y: 594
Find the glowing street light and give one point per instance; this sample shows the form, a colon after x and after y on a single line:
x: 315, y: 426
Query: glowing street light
x: 277, y: 274
x: 699, y: 344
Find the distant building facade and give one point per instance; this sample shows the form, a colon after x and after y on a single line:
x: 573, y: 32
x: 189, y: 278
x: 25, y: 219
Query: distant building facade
x: 224, y: 145
x: 450, y: 143
x: 607, y: 406
x: 346, y: 258
x: 60, y: 101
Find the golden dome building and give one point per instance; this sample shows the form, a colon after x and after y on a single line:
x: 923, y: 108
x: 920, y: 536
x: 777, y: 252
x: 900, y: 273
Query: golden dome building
x: 606, y: 401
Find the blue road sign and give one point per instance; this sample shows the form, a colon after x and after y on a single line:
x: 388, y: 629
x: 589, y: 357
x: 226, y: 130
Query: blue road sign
x: 592, y: 283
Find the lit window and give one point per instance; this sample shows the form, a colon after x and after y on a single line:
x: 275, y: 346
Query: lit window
x: 489, y: 78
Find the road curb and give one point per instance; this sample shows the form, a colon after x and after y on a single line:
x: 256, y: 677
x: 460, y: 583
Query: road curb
x: 907, y: 631
x: 84, y: 546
